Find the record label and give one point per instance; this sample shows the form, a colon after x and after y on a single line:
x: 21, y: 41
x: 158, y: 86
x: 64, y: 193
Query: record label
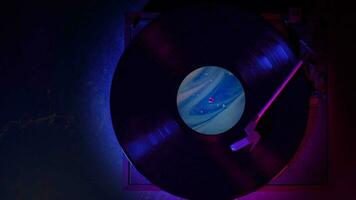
x: 211, y: 100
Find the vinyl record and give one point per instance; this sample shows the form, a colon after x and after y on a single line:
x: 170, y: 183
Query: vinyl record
x: 156, y: 137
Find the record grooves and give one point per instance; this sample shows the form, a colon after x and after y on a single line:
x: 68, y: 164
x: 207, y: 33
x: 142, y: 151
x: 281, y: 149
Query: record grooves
x: 156, y: 139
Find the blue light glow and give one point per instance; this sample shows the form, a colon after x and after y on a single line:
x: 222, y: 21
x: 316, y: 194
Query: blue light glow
x: 142, y: 146
x: 265, y: 63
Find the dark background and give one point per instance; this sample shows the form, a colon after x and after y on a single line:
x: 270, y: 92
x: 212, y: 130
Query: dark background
x: 56, y: 64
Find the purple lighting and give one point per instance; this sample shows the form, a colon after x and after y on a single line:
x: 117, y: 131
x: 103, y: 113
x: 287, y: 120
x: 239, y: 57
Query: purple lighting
x: 253, y: 136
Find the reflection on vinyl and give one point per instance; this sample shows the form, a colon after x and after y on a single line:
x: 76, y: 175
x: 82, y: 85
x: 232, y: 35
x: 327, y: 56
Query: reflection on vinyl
x: 180, y: 142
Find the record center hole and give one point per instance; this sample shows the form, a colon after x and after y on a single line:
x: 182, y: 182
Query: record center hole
x: 211, y: 100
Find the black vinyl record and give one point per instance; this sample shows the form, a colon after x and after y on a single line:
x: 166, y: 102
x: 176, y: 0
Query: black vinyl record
x: 155, y: 138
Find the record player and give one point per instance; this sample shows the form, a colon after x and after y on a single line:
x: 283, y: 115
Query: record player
x: 262, y: 117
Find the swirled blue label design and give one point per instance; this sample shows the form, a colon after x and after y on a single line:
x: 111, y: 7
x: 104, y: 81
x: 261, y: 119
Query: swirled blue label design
x: 211, y: 100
